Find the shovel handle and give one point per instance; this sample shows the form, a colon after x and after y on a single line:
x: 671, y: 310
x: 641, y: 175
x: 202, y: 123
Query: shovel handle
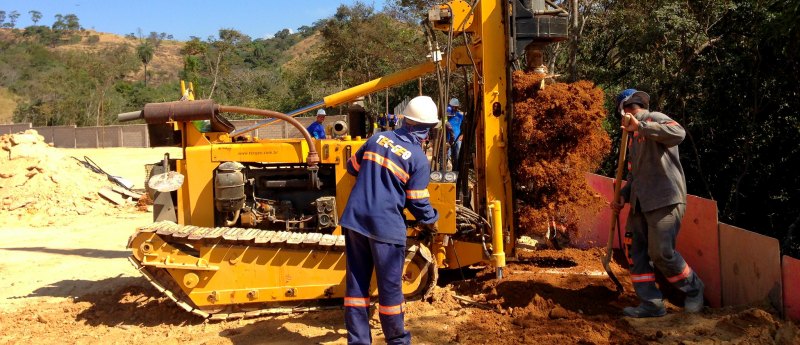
x: 623, y: 149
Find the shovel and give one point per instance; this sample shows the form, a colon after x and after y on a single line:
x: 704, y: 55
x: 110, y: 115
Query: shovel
x: 623, y: 148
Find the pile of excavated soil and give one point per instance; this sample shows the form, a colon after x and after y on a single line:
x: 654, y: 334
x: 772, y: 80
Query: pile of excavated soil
x: 39, y: 185
x: 565, y: 297
x: 558, y: 137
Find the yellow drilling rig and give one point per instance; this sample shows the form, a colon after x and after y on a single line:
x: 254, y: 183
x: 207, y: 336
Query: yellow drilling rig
x: 247, y: 226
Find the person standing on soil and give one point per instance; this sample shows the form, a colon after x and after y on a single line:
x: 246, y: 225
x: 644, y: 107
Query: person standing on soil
x: 656, y: 190
x: 392, y: 173
x: 316, y: 129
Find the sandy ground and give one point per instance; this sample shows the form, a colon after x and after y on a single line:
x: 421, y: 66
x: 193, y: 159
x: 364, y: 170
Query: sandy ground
x: 72, y: 284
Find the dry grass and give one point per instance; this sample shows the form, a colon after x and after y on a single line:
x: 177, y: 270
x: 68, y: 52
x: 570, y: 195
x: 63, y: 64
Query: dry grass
x: 164, y: 67
x: 8, y: 102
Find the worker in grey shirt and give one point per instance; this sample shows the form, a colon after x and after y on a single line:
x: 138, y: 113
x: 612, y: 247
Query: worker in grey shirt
x: 656, y: 190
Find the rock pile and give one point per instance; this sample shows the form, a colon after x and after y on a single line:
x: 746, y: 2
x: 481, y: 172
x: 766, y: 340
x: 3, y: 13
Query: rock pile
x: 40, y: 186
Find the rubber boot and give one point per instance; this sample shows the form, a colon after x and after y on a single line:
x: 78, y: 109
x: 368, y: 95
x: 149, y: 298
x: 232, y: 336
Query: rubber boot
x: 644, y: 310
x: 694, y: 304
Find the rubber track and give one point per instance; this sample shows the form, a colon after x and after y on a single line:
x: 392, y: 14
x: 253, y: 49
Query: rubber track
x: 172, y: 233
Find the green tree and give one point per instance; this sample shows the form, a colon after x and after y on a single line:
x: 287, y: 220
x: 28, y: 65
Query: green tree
x: 724, y: 70
x: 12, y: 20
x: 35, y: 16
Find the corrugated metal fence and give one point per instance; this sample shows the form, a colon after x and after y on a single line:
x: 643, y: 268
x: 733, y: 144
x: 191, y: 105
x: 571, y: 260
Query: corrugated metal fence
x: 137, y: 136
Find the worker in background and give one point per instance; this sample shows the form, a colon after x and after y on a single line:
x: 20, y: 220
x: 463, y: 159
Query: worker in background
x: 392, y: 121
x: 387, y: 122
x: 316, y: 129
x: 392, y: 174
x: 656, y: 190
x: 454, y: 136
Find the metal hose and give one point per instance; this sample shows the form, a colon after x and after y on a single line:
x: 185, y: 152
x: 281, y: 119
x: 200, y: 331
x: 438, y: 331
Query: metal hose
x: 313, y: 157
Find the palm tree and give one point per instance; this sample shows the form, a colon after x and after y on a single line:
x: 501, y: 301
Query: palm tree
x: 145, y: 52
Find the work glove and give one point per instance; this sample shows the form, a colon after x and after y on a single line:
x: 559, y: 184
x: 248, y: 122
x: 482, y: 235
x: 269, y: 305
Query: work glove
x: 427, y: 231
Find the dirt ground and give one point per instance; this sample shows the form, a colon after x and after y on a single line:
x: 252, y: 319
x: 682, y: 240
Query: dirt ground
x: 72, y: 284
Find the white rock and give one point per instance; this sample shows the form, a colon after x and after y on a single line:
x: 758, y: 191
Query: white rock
x: 19, y: 139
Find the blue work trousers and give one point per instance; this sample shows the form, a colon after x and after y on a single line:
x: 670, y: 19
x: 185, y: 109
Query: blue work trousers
x: 364, y: 254
x: 650, y: 241
x: 455, y: 149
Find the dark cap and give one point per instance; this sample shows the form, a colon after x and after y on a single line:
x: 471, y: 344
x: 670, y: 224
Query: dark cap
x: 639, y: 97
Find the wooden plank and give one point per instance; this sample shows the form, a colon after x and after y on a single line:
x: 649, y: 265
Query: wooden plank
x: 126, y: 192
x: 751, y: 267
x: 791, y: 290
x: 112, y: 196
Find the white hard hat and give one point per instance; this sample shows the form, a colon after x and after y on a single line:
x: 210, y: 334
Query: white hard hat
x: 321, y: 112
x: 422, y: 109
x: 454, y: 102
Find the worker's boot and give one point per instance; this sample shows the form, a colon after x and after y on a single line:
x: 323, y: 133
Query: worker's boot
x: 645, y: 310
x: 694, y: 304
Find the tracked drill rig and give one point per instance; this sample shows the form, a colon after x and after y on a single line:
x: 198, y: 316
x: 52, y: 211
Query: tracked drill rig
x: 253, y: 228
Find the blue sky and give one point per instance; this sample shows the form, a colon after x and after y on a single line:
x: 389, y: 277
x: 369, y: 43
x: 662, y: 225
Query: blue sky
x: 182, y: 18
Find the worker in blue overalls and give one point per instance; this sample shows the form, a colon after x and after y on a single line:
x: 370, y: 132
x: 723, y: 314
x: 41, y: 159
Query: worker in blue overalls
x: 392, y: 173
x: 316, y: 129
x: 454, y: 136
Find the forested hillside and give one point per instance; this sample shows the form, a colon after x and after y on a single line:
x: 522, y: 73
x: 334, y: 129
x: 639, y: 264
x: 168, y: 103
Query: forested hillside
x: 725, y: 69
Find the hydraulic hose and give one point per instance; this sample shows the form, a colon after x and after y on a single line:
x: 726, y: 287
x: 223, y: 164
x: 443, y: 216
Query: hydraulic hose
x: 313, y: 156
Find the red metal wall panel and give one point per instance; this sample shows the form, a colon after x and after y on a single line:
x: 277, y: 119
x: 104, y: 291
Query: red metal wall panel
x: 593, y: 228
x: 791, y: 287
x: 751, y: 267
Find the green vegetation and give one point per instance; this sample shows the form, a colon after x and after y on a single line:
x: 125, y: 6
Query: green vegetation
x: 725, y: 69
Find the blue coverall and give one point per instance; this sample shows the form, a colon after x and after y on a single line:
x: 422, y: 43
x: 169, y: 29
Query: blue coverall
x: 316, y: 130
x: 392, y: 173
x: 454, y: 119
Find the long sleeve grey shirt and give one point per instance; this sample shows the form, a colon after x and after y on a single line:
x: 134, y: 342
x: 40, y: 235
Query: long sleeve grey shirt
x: 655, y: 174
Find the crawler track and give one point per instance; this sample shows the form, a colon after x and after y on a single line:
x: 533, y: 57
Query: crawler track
x: 185, y: 238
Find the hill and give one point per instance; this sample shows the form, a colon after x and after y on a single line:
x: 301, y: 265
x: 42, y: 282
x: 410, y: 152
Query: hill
x: 165, y: 66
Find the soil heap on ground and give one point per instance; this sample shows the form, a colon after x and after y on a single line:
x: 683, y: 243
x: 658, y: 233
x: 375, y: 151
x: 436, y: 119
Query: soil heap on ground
x: 558, y: 138
x: 39, y: 183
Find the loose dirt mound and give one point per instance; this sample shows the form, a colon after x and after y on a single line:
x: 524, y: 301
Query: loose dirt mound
x: 42, y: 185
x: 549, y: 297
x: 564, y: 297
x: 559, y: 138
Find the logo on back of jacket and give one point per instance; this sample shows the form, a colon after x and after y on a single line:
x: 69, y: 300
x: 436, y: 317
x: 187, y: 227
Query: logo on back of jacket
x: 400, y: 151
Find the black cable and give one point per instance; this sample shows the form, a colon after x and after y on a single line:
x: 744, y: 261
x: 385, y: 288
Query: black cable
x: 458, y: 262
x: 91, y: 165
